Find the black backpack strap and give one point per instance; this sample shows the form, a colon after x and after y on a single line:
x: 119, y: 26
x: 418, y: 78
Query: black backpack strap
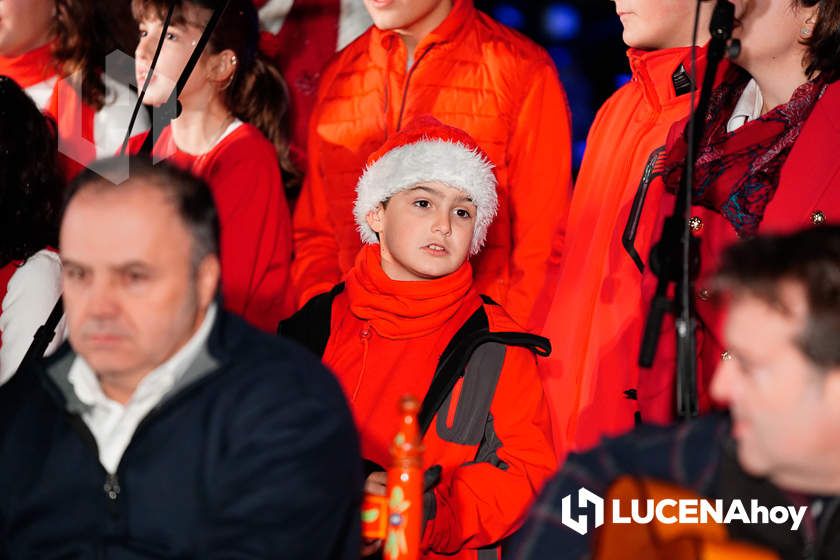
x: 451, y: 366
x: 310, y: 326
x: 459, y: 351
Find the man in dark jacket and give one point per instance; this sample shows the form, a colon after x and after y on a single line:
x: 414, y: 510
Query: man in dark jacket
x: 780, y: 442
x: 168, y: 428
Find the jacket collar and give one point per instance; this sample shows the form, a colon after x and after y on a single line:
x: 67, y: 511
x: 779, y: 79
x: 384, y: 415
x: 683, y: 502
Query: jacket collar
x: 385, y: 43
x: 654, y: 71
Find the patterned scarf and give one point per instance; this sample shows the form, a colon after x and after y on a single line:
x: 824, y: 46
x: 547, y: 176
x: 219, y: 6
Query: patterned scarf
x: 737, y: 173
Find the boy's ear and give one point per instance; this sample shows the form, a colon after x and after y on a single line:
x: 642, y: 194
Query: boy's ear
x: 222, y: 66
x: 376, y: 218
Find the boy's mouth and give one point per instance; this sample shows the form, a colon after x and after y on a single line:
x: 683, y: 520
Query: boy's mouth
x: 435, y: 249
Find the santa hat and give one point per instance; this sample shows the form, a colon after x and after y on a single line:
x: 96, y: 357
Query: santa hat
x: 425, y: 151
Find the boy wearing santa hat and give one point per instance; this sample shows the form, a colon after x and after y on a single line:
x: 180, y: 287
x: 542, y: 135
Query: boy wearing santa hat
x: 408, y: 320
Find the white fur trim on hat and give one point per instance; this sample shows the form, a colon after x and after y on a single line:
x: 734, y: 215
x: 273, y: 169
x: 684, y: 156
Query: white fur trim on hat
x: 450, y: 163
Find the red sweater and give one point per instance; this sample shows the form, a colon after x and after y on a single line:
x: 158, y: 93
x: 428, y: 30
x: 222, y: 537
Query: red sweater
x: 243, y: 174
x: 385, y: 342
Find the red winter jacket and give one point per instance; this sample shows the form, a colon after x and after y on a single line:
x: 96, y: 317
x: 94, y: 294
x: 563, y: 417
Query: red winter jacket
x: 597, y: 315
x: 808, y: 193
x: 385, y: 340
x: 243, y: 174
x: 472, y: 73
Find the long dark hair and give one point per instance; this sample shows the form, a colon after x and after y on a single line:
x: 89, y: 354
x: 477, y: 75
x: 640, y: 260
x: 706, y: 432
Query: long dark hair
x: 257, y: 93
x: 823, y: 55
x: 84, y: 36
x: 30, y: 179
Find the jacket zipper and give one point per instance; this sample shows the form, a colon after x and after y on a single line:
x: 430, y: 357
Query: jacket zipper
x: 112, y: 487
x: 405, y: 86
x: 364, y: 335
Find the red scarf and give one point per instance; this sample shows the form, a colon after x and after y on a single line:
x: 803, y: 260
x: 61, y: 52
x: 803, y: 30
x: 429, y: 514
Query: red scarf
x: 404, y: 309
x: 31, y: 67
x: 737, y: 173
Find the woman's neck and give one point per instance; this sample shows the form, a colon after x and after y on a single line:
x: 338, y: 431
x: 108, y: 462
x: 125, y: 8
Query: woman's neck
x: 200, y: 125
x: 778, y: 80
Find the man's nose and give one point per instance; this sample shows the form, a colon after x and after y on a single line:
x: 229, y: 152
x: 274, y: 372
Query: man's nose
x: 102, y: 301
x: 724, y: 380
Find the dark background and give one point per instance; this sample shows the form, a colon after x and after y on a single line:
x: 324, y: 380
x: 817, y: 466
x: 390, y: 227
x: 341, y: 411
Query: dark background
x: 584, y: 39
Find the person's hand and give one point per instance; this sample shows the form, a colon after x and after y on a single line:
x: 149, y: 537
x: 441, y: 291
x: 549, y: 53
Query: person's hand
x: 377, y: 485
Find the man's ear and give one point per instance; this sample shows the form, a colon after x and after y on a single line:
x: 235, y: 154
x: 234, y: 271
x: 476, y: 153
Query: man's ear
x: 221, y: 67
x: 207, y: 279
x: 376, y: 219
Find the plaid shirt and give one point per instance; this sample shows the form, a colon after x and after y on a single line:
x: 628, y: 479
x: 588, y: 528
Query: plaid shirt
x: 699, y: 456
x: 687, y: 454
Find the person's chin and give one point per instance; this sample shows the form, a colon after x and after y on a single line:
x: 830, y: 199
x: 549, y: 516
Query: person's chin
x: 433, y: 270
x: 753, y: 462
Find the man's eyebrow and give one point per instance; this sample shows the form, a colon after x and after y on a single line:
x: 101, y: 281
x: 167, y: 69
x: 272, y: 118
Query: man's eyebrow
x: 65, y: 262
x: 116, y: 267
x: 129, y: 265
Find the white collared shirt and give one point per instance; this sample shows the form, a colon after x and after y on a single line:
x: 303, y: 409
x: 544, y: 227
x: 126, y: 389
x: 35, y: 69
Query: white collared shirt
x: 112, y: 423
x: 748, y: 107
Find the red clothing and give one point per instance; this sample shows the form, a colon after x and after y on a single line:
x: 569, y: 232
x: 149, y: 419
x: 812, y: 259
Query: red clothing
x: 300, y: 41
x: 808, y: 193
x: 243, y: 174
x: 597, y: 314
x: 385, y: 341
x: 84, y: 133
x: 472, y: 73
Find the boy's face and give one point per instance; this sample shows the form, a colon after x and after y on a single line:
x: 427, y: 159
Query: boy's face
x: 177, y: 48
x: 424, y: 232
x: 656, y: 24
x: 784, y: 408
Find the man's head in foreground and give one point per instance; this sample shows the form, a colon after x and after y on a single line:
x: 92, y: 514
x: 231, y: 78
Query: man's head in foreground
x: 782, y: 378
x: 141, y: 268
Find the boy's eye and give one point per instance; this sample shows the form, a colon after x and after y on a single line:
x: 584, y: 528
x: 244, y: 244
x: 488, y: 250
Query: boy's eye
x: 422, y: 203
x: 462, y: 213
x: 143, y: 33
x: 171, y: 36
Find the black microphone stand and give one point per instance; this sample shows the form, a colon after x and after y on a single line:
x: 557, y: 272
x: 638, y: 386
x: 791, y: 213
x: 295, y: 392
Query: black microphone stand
x: 675, y: 257
x: 46, y: 332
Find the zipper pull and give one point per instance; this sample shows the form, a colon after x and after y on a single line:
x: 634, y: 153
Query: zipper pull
x: 112, y: 487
